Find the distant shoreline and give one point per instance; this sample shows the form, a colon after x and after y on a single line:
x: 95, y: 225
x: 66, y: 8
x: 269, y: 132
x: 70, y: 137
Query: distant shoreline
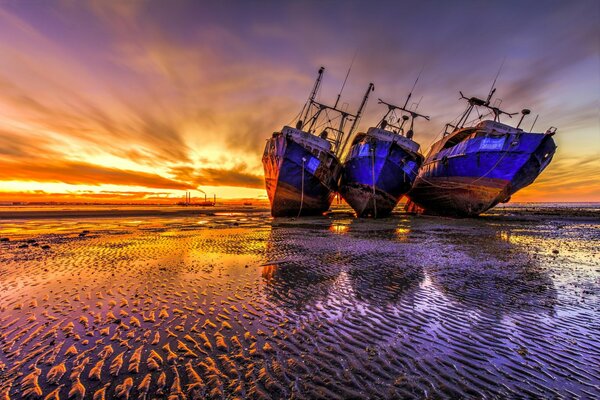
x: 525, y: 211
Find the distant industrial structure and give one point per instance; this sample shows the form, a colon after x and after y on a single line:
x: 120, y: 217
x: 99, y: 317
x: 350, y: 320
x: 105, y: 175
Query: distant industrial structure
x: 206, y: 203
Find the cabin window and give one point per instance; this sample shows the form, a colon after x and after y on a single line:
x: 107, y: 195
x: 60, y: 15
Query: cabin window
x: 458, y: 137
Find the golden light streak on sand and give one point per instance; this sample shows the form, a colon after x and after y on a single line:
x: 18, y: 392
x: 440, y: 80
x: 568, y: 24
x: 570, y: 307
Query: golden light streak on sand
x: 339, y: 228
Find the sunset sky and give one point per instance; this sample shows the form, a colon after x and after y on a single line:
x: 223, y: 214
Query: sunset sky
x: 141, y: 101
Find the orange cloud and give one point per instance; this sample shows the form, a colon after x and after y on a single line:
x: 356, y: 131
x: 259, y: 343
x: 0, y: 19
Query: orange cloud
x: 236, y: 176
x: 40, y: 196
x: 82, y: 173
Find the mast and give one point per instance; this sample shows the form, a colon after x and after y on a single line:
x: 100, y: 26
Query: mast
x: 524, y: 112
x: 313, y: 109
x: 477, y: 102
x: 392, y: 107
x: 362, y: 106
x: 313, y: 94
x: 357, y: 117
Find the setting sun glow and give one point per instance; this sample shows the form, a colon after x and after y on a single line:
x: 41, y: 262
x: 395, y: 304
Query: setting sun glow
x: 130, y: 103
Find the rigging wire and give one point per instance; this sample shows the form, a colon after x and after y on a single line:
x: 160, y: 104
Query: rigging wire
x: 373, y: 180
x: 415, y: 84
x: 302, y: 195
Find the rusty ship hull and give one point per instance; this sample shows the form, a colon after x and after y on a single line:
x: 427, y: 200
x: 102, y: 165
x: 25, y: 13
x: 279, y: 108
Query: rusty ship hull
x: 478, y: 173
x: 300, y: 181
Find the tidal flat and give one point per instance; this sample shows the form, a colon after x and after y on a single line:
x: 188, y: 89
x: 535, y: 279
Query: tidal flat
x: 235, y: 304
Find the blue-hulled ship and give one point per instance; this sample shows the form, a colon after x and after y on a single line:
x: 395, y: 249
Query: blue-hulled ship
x: 382, y: 164
x: 475, y: 167
x: 302, y: 169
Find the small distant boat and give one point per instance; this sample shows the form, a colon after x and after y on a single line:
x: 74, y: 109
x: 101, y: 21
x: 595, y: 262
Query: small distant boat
x: 302, y: 169
x: 474, y: 167
x: 382, y: 164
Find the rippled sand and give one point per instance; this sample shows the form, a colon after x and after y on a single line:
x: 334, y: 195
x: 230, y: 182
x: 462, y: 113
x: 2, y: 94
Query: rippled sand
x: 243, y: 306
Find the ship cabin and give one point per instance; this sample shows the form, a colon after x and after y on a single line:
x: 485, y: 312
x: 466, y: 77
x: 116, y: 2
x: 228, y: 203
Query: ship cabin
x: 318, y: 146
x: 482, y: 129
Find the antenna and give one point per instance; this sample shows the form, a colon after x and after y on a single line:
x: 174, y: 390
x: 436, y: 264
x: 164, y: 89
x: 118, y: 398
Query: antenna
x: 492, y: 89
x: 418, y: 103
x: 413, y: 87
x: 534, y: 121
x: 357, y: 117
x: 345, y: 79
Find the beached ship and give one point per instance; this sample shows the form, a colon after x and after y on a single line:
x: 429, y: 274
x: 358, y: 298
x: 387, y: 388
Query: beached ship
x: 476, y: 166
x: 382, y: 164
x: 302, y: 169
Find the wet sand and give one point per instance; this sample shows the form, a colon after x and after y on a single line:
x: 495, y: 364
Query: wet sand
x: 239, y: 305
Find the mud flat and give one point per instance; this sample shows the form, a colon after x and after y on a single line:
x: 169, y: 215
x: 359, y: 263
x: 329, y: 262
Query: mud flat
x: 239, y: 305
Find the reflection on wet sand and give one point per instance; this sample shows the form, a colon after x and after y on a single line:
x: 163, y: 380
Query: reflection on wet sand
x: 244, y: 306
x: 384, y: 279
x: 503, y: 280
x: 299, y: 275
x: 296, y: 284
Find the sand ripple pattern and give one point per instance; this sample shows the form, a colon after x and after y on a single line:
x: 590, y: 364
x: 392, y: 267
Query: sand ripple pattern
x: 249, y: 307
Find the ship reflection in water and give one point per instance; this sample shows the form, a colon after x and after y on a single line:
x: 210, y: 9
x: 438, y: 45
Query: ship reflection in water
x: 241, y: 305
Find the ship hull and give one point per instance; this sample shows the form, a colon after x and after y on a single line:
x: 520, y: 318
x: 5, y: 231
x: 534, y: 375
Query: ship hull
x: 469, y: 179
x: 375, y: 176
x: 298, y: 187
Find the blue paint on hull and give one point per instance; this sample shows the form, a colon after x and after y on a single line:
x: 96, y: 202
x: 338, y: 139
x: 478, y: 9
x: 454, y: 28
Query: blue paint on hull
x: 476, y: 174
x: 383, y: 164
x: 297, y: 187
